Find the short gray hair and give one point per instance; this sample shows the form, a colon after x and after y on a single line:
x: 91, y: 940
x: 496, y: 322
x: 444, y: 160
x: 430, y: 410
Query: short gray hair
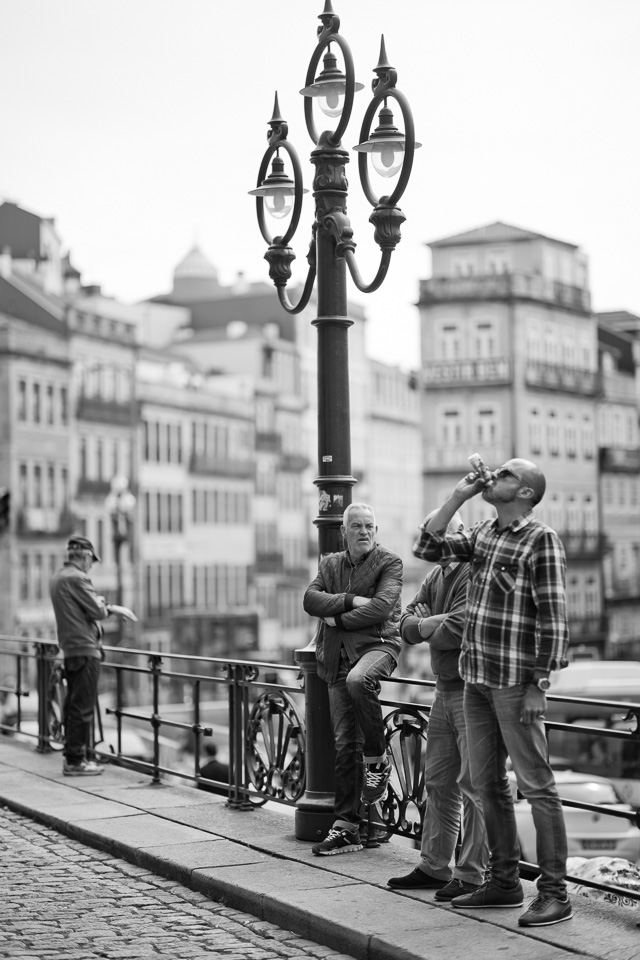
x: 361, y: 506
x: 455, y: 524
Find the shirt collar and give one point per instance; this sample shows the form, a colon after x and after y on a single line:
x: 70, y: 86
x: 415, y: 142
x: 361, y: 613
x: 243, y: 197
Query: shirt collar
x: 518, y: 524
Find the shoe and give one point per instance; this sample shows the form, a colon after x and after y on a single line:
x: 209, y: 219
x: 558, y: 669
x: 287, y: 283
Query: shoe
x: 489, y: 895
x: 339, y: 840
x: 455, y: 888
x: 545, y: 910
x: 418, y: 880
x: 378, y: 835
x: 86, y: 768
x: 375, y: 781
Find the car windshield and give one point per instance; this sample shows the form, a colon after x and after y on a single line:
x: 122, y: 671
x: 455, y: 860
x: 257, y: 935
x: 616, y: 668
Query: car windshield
x: 589, y: 791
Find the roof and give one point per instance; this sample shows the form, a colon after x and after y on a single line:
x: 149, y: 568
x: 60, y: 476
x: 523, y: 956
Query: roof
x: 195, y: 265
x: 619, y: 320
x: 497, y: 232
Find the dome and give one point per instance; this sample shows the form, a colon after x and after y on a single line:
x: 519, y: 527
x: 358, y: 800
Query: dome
x: 195, y: 266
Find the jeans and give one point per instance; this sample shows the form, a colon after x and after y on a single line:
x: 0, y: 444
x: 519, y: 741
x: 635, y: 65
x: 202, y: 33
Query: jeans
x: 358, y: 728
x: 448, y: 782
x: 82, y: 675
x: 494, y: 731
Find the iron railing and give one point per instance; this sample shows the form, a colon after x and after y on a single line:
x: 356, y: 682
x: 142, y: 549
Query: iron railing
x: 262, y: 720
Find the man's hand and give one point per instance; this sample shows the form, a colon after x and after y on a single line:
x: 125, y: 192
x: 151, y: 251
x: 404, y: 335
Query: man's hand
x: 533, y: 705
x: 422, y: 610
x: 468, y: 487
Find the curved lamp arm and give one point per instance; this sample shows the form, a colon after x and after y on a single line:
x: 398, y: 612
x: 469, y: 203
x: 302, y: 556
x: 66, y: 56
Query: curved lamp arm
x: 378, y: 280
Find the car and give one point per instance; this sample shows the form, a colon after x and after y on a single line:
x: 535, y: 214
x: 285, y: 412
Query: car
x: 589, y: 833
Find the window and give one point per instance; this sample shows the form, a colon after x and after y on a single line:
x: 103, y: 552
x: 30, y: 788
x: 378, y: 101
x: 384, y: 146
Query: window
x: 22, y: 400
x: 535, y: 431
x: 37, y: 411
x: 485, y: 340
x: 37, y: 486
x: 100, y: 538
x: 64, y: 409
x: 49, y: 415
x: 592, y: 598
x: 449, y: 427
x: 23, y: 584
x: 448, y: 342
x: 553, y: 434
x: 99, y: 459
x: 588, y: 438
x: 37, y: 577
x: 485, y: 427
x: 51, y: 485
x: 83, y: 457
x: 23, y: 489
x: 570, y: 436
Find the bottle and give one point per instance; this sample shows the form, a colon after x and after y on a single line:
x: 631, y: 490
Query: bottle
x: 481, y: 469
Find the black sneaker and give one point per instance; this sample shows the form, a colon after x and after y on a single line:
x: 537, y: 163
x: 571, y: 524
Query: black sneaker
x: 490, y: 896
x: 416, y: 880
x: 376, y: 778
x: 455, y: 888
x: 339, y: 840
x: 545, y: 910
x: 86, y: 768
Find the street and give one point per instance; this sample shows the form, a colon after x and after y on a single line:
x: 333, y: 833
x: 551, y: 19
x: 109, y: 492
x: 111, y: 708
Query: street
x: 59, y: 898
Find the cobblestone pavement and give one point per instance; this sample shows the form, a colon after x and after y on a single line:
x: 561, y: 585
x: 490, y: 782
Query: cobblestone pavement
x: 61, y: 899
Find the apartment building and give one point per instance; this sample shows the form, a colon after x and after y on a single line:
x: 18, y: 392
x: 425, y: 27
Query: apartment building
x: 510, y: 369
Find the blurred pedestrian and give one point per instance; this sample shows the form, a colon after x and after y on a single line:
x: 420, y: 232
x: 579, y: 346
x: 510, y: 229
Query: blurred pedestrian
x: 79, y: 611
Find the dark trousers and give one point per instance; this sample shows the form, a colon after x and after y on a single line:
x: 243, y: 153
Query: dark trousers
x: 82, y: 675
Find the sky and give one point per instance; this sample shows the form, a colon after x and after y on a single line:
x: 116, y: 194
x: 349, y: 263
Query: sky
x: 140, y: 125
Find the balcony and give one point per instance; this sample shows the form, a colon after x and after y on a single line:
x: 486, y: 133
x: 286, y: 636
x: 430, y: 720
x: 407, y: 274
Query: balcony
x: 99, y: 410
x: 269, y: 563
x: 581, y: 545
x: 44, y: 522
x: 454, y: 373
x: 552, y: 376
x: 505, y: 286
x: 621, y: 589
x: 452, y: 458
x: 619, y: 460
x: 268, y: 442
x: 587, y: 630
x: 203, y: 464
x: 90, y: 487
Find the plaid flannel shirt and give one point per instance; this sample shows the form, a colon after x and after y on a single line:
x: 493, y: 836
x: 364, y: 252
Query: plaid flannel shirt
x: 516, y: 619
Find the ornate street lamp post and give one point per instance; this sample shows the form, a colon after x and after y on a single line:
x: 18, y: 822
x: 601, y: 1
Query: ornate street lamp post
x: 331, y: 252
x: 120, y: 504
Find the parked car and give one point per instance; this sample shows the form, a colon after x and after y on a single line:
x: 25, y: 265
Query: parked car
x: 589, y: 833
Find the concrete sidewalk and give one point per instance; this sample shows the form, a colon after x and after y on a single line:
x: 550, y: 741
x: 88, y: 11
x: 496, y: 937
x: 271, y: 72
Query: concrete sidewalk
x: 251, y: 861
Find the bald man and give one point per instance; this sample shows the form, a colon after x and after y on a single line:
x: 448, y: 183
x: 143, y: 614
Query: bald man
x: 515, y: 634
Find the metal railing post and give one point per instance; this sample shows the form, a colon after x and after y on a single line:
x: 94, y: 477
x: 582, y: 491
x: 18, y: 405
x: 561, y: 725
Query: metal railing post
x: 155, y: 665
x: 43, y: 676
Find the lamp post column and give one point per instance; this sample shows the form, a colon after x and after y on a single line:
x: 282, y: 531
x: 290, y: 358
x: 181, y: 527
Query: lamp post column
x: 315, y: 810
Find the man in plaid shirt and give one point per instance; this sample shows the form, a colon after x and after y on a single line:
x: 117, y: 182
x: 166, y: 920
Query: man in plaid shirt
x: 515, y: 634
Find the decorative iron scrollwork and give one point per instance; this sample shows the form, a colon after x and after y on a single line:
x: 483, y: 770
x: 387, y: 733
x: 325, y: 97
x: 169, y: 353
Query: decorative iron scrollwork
x: 275, y: 748
x: 406, y: 737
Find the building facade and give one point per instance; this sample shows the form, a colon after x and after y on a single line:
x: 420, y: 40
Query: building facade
x: 510, y: 369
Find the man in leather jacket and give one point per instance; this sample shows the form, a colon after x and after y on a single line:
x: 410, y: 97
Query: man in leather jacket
x: 357, y: 598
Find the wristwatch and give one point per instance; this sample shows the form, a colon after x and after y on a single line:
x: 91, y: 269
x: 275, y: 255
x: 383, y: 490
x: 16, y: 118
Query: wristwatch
x: 542, y: 683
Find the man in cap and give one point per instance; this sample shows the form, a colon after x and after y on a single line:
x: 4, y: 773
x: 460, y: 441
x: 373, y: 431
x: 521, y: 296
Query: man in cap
x: 78, y: 612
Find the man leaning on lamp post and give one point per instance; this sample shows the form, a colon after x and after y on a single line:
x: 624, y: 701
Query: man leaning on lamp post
x: 356, y: 596
x: 515, y: 634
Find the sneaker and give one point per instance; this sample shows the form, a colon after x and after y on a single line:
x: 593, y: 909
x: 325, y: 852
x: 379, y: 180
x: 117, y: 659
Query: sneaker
x: 455, y: 888
x: 375, y: 781
x: 545, y: 910
x: 339, y: 840
x: 85, y: 768
x: 418, y: 880
x: 489, y: 895
x: 378, y: 834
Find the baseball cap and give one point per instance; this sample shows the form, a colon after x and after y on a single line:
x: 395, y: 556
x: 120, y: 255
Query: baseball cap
x: 77, y: 542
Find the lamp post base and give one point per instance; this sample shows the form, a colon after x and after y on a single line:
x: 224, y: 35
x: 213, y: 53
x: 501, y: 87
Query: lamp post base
x: 314, y: 817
